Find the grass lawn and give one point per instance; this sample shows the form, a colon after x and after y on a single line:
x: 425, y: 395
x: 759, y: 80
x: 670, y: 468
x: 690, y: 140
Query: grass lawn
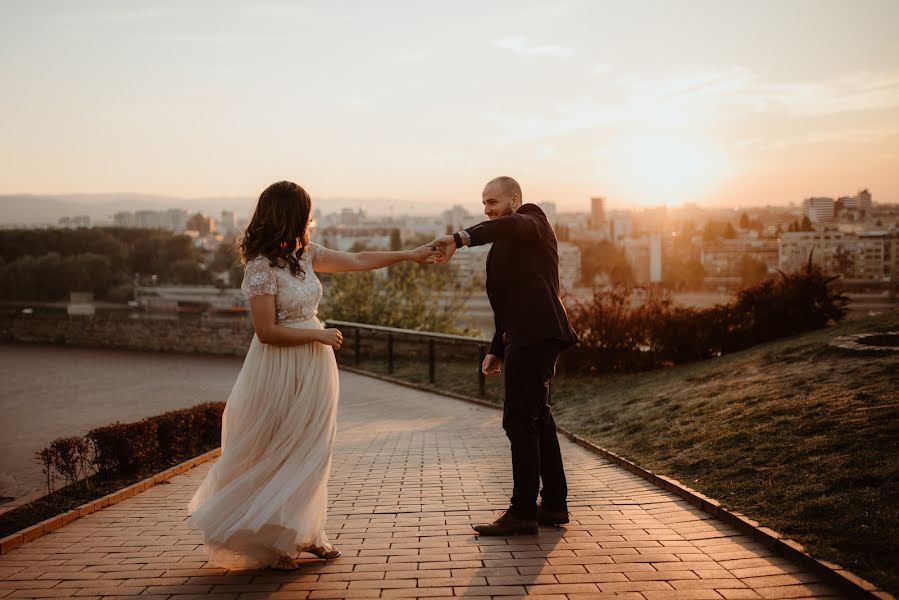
x: 799, y: 436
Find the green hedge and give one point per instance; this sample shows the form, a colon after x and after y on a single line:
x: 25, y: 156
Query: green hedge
x: 124, y: 449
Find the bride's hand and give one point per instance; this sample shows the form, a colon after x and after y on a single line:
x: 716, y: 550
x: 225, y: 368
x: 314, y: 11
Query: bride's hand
x: 331, y: 337
x: 426, y: 254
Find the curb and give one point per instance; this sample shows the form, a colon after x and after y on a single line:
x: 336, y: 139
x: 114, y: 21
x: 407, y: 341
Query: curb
x: 843, y: 579
x: 37, y: 530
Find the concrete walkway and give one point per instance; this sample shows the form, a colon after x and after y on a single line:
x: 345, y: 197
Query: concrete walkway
x: 411, y: 472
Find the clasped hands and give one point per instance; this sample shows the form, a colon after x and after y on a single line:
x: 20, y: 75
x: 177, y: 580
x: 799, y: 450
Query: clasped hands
x: 439, y: 251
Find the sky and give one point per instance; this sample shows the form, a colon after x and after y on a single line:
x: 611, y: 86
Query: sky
x: 721, y: 103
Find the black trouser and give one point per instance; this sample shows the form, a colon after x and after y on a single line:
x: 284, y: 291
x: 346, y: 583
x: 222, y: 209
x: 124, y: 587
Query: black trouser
x: 529, y: 425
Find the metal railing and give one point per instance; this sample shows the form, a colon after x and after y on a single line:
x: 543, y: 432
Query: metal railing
x: 383, y: 340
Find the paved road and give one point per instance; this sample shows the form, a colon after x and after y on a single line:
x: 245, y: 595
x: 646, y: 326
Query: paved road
x: 411, y: 472
x: 48, y: 392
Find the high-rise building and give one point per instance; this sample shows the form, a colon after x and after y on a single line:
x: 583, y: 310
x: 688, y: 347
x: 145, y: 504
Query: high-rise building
x: 645, y: 257
x: 619, y: 228
x: 552, y: 213
x: 148, y: 219
x: 123, y: 219
x: 351, y: 218
x: 228, y: 224
x: 597, y: 212
x: 864, y: 200
x: 866, y: 256
x: 569, y: 265
x: 819, y: 210
x: 176, y: 220
x: 74, y: 222
x: 723, y: 260
x: 202, y: 224
x: 458, y: 218
x: 860, y: 202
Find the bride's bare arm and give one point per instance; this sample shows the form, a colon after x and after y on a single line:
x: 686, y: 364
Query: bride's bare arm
x: 334, y: 261
x: 262, y: 313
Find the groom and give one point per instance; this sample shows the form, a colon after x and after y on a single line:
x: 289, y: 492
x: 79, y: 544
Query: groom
x: 532, y: 329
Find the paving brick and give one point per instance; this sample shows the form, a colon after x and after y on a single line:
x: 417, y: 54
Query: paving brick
x: 796, y: 591
x: 744, y: 594
x: 280, y: 595
x: 431, y: 592
x: 491, y: 590
x: 344, y: 594
x: 683, y: 595
x: 779, y: 580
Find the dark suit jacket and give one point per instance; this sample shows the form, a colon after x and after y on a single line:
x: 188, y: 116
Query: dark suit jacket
x: 523, y: 279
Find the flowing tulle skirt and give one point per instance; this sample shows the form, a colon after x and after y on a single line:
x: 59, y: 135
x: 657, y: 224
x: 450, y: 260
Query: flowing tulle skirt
x: 267, y: 494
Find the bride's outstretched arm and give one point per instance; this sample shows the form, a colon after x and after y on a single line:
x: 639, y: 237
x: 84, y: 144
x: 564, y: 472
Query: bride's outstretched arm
x: 334, y: 261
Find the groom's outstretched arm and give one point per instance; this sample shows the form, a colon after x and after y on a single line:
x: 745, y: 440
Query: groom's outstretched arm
x: 516, y: 226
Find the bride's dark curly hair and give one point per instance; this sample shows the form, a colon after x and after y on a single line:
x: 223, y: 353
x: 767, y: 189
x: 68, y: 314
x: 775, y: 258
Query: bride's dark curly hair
x: 280, y: 220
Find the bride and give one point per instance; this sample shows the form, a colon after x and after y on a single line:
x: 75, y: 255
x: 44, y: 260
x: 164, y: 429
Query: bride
x: 265, y: 500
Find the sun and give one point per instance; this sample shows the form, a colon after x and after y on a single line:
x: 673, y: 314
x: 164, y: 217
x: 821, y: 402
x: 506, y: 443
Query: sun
x: 664, y: 169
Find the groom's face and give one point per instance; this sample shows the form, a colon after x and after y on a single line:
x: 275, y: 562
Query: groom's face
x: 497, y: 202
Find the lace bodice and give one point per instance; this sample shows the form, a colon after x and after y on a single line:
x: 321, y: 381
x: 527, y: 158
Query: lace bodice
x: 296, y: 296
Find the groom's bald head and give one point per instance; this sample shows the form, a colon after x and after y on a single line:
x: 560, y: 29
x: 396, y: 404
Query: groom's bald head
x: 501, y: 196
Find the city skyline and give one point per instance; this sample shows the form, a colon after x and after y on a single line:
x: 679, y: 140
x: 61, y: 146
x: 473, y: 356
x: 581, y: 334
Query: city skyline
x: 644, y: 104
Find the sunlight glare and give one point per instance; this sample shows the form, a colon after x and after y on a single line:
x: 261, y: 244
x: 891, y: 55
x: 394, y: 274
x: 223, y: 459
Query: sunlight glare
x: 669, y: 168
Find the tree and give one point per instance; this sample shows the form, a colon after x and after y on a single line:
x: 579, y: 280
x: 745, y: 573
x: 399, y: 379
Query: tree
x: 744, y: 221
x: 225, y: 256
x: 144, y: 256
x: 752, y: 271
x: 729, y: 233
x: 187, y: 271
x: 680, y: 274
x: 87, y: 272
x: 360, y: 246
x: 604, y: 257
x: 235, y: 275
x: 806, y: 225
x: 408, y: 296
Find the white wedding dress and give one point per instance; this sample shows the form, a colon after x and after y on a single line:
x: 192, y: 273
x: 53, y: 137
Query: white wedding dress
x: 267, y: 495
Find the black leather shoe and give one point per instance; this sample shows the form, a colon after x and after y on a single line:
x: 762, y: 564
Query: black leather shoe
x: 551, y: 518
x: 508, y: 524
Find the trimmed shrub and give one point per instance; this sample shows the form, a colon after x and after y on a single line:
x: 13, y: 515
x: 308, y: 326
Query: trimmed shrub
x: 208, y: 423
x: 124, y: 448
x: 175, y: 435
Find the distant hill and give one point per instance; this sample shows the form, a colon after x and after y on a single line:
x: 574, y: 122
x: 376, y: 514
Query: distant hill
x: 36, y: 209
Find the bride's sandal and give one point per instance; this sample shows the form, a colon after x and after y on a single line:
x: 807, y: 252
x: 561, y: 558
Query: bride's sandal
x: 285, y: 563
x: 326, y: 552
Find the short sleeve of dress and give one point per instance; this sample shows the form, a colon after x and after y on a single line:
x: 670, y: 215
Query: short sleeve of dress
x: 259, y: 278
x: 315, y: 252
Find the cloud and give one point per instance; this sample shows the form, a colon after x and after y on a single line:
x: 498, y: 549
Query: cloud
x: 518, y: 44
x: 841, y: 135
x: 747, y: 90
x: 707, y: 99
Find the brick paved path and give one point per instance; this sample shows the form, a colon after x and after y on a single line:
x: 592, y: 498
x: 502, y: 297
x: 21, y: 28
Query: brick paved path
x: 411, y: 472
